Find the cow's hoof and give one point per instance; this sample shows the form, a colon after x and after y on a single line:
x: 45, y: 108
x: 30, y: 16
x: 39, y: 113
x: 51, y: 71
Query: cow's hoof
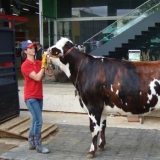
x: 100, y: 149
x: 90, y: 155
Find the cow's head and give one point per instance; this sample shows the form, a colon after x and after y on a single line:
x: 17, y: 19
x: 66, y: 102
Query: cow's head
x: 57, y: 53
x: 61, y: 47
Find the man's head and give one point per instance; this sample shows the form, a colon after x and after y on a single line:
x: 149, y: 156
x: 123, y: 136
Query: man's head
x: 27, y: 44
x: 28, y: 47
x: 38, y: 45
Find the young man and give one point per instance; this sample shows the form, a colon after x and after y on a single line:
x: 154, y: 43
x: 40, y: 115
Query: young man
x: 33, y: 71
x: 39, y: 52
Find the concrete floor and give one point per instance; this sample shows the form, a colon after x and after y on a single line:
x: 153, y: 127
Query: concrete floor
x: 82, y: 119
x: 73, y: 139
x: 125, y: 140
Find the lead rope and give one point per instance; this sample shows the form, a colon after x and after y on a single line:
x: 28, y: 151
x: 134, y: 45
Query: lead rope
x: 77, y: 77
x: 48, y: 69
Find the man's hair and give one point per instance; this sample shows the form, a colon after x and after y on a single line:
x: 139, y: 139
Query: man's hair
x: 39, y: 44
x: 23, y: 55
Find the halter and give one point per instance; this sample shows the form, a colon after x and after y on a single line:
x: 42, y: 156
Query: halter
x: 68, y: 51
x: 49, y: 67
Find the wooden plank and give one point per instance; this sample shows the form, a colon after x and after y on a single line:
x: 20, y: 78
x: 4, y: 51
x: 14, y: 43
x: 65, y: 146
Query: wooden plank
x: 45, y: 127
x: 19, y: 128
x: 9, y: 135
x: 51, y: 130
x: 15, y: 124
x: 25, y: 134
x: 10, y: 122
x: 133, y: 118
x: 24, y: 130
x: 44, y: 134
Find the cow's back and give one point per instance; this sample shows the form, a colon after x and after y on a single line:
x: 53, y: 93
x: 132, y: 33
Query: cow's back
x: 132, y: 86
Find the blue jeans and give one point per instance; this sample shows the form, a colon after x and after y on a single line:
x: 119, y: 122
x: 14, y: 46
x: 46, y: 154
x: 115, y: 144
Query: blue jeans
x: 35, y: 107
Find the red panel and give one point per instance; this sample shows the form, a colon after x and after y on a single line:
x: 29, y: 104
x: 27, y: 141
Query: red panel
x: 16, y: 18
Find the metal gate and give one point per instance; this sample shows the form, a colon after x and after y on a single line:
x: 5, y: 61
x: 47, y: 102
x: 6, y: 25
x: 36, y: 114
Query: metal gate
x: 9, y: 99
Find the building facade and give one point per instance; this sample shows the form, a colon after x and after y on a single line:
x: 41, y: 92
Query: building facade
x: 79, y: 20
x: 82, y: 19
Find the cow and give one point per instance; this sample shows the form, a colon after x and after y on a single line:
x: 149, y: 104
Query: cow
x: 106, y: 83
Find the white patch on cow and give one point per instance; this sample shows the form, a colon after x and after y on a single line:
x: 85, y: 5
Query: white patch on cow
x: 149, y: 97
x: 117, y: 92
x: 151, y: 109
x: 108, y: 109
x: 95, y: 132
x: 152, y: 85
x: 118, y: 84
x: 100, y: 141
x: 92, y: 147
x: 126, y: 104
x: 102, y: 59
x: 60, y: 44
x: 63, y: 67
x: 111, y: 87
x: 153, y: 92
x: 140, y: 93
x: 115, y: 109
x: 96, y: 127
x: 103, y: 117
x: 97, y: 56
x: 101, y: 125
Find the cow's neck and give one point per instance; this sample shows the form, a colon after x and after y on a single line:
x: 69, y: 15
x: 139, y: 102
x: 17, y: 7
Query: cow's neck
x: 75, y: 60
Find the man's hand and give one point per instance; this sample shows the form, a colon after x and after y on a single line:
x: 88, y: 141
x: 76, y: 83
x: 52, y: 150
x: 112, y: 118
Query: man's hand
x: 49, y: 60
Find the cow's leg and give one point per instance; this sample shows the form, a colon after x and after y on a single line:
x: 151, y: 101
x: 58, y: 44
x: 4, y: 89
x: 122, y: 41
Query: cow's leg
x: 102, y: 140
x: 94, y: 128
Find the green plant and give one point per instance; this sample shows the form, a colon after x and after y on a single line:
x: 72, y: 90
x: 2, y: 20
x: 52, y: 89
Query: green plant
x: 145, y: 56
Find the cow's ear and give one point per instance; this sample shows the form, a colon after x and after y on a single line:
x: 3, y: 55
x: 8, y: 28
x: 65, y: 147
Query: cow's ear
x: 69, y: 44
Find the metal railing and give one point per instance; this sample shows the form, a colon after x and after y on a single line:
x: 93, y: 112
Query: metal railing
x: 122, y: 24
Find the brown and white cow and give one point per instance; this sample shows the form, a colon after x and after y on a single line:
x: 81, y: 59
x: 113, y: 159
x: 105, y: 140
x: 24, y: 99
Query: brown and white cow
x: 104, y: 83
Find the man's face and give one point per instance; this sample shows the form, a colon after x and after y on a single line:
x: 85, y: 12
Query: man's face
x: 38, y: 46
